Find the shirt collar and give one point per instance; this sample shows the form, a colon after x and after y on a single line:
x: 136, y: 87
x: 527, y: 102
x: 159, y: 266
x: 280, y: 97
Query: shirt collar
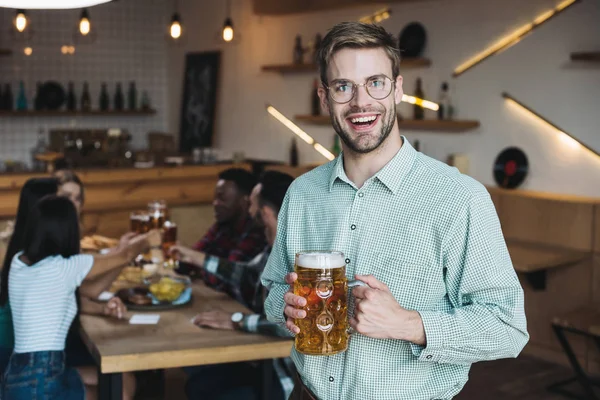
x: 391, y: 175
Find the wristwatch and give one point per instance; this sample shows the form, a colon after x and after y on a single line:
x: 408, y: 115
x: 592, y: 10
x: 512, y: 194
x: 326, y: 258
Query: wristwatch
x: 237, y: 319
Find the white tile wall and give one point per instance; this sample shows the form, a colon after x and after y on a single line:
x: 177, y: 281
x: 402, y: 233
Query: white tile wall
x: 131, y: 44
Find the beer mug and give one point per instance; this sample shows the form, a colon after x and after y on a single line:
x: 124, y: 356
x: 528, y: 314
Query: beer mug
x: 322, y: 282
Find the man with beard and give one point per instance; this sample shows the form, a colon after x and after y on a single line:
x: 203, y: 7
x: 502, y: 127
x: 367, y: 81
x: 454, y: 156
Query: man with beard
x: 441, y: 292
x: 241, y: 280
x: 233, y: 236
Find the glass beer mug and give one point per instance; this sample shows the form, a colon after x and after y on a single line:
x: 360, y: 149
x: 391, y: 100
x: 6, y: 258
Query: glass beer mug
x: 322, y: 282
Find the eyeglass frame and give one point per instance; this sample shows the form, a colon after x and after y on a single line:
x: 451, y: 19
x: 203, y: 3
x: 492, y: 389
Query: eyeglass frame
x: 355, y: 87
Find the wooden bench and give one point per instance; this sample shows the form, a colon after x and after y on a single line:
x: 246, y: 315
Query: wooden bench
x: 585, y: 322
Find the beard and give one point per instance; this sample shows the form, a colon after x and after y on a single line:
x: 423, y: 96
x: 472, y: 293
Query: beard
x: 388, y: 117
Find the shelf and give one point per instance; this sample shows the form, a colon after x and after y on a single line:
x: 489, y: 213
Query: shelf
x: 408, y: 124
x: 5, y: 52
x: 591, y: 56
x: 417, y: 62
x: 66, y: 113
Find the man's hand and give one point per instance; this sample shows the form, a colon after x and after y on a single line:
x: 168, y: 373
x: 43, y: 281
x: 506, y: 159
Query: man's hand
x: 378, y: 314
x: 216, y: 319
x: 187, y: 255
x: 293, y: 302
x: 114, y: 308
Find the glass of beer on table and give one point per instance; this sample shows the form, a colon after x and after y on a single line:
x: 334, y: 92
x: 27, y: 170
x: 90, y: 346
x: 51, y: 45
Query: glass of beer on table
x: 139, y: 221
x: 168, y: 240
x: 322, y: 282
x: 158, y: 213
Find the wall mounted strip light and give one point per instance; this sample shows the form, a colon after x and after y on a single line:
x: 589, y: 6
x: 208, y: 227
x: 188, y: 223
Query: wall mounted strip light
x: 303, y: 135
x: 420, y: 102
x: 570, y: 139
x: 513, y: 38
x: 377, y: 16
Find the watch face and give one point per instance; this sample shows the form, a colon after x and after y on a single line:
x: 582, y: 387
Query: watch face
x: 237, y: 317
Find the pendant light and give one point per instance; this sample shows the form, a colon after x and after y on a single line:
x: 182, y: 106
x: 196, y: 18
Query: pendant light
x: 21, y: 21
x: 175, y: 29
x: 228, y: 25
x: 84, y: 23
x: 47, y: 5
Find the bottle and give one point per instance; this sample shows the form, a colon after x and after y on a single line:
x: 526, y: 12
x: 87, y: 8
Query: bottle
x: 21, y: 97
x: 37, y: 101
x: 132, y: 96
x: 71, y: 101
x: 1, y: 99
x: 294, y: 153
x: 418, y: 111
x: 40, y: 148
x: 145, y: 101
x: 119, y: 98
x: 7, y: 98
x: 445, y: 110
x: 86, y: 101
x: 316, y: 47
x: 315, y: 102
x: 298, y: 51
x: 104, y: 101
x: 336, y: 149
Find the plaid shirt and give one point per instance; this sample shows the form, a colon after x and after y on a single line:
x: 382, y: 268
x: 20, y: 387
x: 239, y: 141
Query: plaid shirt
x: 239, y: 243
x: 433, y: 236
x: 241, y: 280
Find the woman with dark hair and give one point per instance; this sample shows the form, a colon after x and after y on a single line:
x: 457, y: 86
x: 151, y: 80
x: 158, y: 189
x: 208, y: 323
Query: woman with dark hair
x: 42, y: 282
x: 71, y: 186
x: 33, y: 190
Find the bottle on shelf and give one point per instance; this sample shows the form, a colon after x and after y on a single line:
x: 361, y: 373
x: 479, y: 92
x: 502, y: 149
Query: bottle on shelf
x: 132, y: 96
x: 294, y: 153
x: 298, y: 51
x: 104, y: 100
x: 315, y: 102
x: 446, y: 111
x: 86, y: 100
x: 145, y: 101
x: 7, y: 98
x: 119, y: 98
x: 316, y: 46
x: 37, y: 101
x: 21, y: 97
x: 418, y: 111
x: 40, y: 148
x: 336, y: 149
x: 71, y: 101
x: 1, y: 99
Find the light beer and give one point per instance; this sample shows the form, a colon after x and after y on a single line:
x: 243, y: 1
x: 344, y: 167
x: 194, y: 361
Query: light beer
x: 169, y: 239
x: 139, y: 221
x: 322, y: 282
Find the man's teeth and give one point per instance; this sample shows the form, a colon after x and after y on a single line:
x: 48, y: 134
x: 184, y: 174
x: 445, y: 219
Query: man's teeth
x: 364, y: 119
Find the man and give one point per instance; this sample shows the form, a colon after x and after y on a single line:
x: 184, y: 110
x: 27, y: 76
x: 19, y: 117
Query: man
x: 441, y: 292
x: 233, y: 236
x: 241, y: 280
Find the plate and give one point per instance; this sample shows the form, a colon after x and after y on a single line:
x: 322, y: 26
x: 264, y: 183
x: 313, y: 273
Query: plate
x: 127, y: 295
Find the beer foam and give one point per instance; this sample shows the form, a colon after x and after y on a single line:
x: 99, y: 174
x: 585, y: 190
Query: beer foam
x: 319, y: 260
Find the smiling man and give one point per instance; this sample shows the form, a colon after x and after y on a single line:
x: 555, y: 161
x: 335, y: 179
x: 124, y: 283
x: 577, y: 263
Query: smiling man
x: 441, y: 292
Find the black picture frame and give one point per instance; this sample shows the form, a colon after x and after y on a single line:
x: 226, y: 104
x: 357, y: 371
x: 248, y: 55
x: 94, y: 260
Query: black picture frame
x: 199, y: 102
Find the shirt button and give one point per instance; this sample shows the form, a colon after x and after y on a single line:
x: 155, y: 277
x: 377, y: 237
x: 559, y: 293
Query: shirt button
x: 331, y: 379
x: 353, y: 227
x: 429, y: 357
x: 347, y: 261
x: 361, y: 194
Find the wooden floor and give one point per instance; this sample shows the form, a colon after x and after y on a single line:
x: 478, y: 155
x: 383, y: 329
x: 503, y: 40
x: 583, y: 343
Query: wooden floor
x: 524, y: 378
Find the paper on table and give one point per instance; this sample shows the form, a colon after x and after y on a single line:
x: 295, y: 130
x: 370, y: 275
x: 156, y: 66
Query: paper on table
x: 144, y: 319
x: 105, y: 296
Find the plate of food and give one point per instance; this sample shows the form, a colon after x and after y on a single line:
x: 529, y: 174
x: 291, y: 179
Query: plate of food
x: 161, y: 292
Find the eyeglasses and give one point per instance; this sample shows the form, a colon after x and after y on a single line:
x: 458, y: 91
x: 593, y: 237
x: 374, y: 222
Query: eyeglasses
x: 343, y: 91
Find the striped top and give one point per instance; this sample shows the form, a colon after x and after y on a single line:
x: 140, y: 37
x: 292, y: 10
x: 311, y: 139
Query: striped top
x: 42, y: 299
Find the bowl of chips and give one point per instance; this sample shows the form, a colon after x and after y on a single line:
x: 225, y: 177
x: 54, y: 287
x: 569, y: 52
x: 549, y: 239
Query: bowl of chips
x: 166, y: 288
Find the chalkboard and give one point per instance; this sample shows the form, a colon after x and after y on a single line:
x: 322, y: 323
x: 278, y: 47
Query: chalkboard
x: 198, y: 106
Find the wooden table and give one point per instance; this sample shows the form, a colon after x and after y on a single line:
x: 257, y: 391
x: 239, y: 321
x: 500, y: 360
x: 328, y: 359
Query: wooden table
x: 175, y: 342
x: 534, y: 260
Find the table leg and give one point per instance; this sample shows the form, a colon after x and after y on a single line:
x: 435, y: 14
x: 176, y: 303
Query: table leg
x: 267, y: 379
x: 110, y: 386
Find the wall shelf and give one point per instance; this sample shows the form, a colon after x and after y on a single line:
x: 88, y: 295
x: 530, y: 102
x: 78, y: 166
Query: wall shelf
x: 416, y: 62
x: 589, y: 56
x: 66, y: 113
x: 416, y: 125
x: 5, y: 52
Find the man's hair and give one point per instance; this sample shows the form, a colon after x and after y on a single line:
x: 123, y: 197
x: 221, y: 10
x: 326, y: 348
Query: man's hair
x: 68, y: 176
x: 274, y: 186
x: 357, y: 35
x: 243, y: 180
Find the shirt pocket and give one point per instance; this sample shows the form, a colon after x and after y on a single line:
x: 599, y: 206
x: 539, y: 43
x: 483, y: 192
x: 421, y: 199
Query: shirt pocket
x: 408, y: 281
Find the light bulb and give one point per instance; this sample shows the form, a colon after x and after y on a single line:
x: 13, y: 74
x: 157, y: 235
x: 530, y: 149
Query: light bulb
x: 27, y: 51
x: 21, y: 21
x: 84, y: 23
x: 175, y: 30
x: 228, y: 30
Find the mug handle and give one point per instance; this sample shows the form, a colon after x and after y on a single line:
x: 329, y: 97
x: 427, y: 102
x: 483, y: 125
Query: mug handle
x: 351, y: 284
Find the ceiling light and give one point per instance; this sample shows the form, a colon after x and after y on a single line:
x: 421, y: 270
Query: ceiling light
x: 175, y: 30
x: 84, y: 23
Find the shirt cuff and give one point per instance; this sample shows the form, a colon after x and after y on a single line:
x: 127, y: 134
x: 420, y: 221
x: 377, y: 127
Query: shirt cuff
x: 250, y: 323
x: 433, y: 322
x: 274, y: 305
x: 211, y: 264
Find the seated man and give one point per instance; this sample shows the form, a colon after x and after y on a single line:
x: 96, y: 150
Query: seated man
x: 233, y: 236
x: 241, y: 280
